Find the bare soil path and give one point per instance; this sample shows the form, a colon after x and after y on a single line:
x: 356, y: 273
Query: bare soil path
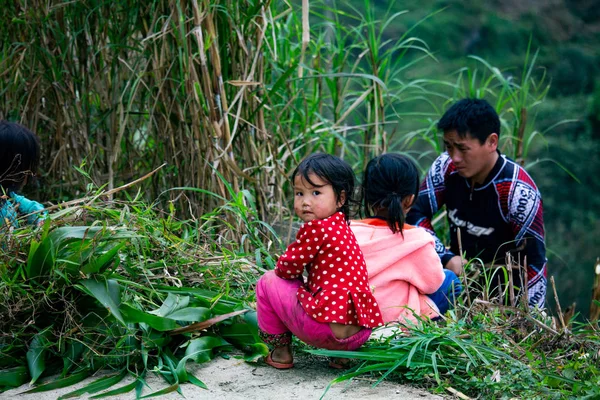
x: 233, y: 379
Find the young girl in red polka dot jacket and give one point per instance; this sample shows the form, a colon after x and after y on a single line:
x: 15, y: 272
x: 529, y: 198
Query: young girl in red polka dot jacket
x: 334, y: 309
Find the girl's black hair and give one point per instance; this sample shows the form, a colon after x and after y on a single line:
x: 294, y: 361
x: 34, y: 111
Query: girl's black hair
x: 388, y: 180
x: 19, y: 155
x: 332, y: 170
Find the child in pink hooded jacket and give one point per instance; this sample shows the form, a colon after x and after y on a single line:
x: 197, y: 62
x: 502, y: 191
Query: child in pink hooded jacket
x: 404, y: 269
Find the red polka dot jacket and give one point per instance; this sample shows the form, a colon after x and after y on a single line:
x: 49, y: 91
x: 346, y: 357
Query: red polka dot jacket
x: 337, y: 289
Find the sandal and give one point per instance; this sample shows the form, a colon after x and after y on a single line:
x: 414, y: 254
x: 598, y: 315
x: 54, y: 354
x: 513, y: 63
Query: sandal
x: 269, y: 360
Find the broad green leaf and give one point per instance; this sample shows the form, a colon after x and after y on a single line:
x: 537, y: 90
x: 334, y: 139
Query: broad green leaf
x: 190, y: 314
x: 255, y: 352
x: 154, y: 339
x: 60, y: 383
x: 97, y: 264
x: 239, y: 335
x: 96, y: 386
x: 42, y: 260
x: 172, y: 303
x: 122, y: 390
x: 13, y: 377
x: 159, y: 323
x: 36, y: 355
x: 192, y: 379
x: 72, y: 354
x: 200, y: 350
x: 166, y: 390
x: 108, y: 293
x: 137, y: 384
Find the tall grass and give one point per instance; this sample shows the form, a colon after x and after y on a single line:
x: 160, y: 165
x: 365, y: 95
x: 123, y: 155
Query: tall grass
x: 208, y: 87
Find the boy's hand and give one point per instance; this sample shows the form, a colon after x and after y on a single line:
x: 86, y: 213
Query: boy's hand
x: 455, y: 264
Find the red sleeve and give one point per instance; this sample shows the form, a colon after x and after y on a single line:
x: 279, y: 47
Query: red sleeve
x: 300, y: 253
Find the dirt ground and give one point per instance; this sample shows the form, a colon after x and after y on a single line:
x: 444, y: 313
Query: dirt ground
x: 233, y: 379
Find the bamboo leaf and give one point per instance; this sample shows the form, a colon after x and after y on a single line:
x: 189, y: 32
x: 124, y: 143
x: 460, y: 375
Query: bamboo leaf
x: 96, y: 386
x: 36, y: 355
x: 190, y: 314
x: 122, y: 390
x: 107, y: 292
x: 161, y: 392
x: 192, y: 379
x: 60, y: 383
x: 98, y: 264
x: 136, y: 316
x: 172, y: 303
x: 13, y: 377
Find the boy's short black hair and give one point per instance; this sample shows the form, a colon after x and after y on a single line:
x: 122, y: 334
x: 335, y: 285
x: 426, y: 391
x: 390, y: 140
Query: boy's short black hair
x: 332, y: 170
x: 19, y: 155
x: 471, y: 116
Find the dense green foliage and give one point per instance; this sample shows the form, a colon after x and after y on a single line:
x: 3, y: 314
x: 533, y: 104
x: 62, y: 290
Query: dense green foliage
x: 113, y: 290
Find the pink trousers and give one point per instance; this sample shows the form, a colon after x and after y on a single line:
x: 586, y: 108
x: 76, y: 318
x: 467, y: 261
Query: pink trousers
x: 279, y: 313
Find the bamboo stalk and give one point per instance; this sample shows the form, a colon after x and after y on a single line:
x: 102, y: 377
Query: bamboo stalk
x: 511, y: 288
x: 560, y: 314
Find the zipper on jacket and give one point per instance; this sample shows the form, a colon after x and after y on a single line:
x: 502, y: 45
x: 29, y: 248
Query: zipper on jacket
x: 472, y: 188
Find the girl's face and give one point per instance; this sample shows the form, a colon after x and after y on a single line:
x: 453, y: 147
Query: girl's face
x: 315, y: 202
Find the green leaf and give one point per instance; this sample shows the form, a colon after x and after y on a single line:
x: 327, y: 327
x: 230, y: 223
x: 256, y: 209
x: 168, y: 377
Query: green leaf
x: 159, y: 323
x: 108, y: 293
x: 255, y: 352
x: 74, y: 350
x: 192, y: 379
x: 13, y: 377
x: 166, y: 390
x: 60, y: 383
x: 96, y: 386
x: 41, y: 261
x: 191, y: 314
x: 239, y: 335
x: 172, y: 303
x: 200, y: 350
x: 36, y: 355
x: 122, y: 390
x: 41, y: 258
x: 97, y: 264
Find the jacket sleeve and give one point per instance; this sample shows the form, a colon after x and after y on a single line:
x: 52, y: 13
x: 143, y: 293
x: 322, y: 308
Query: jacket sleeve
x: 430, y: 199
x: 429, y: 273
x: 27, y: 207
x: 300, y: 253
x: 527, y: 222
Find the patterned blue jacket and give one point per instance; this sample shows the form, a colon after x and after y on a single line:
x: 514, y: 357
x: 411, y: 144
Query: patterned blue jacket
x: 503, y: 214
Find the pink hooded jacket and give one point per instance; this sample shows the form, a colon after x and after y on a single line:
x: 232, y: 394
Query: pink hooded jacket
x: 402, y: 270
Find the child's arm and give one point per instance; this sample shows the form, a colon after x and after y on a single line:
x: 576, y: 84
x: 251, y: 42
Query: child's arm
x: 300, y: 253
x: 26, y: 206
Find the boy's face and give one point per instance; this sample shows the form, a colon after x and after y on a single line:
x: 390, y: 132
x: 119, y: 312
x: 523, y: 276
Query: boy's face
x: 472, y: 159
x: 315, y: 202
